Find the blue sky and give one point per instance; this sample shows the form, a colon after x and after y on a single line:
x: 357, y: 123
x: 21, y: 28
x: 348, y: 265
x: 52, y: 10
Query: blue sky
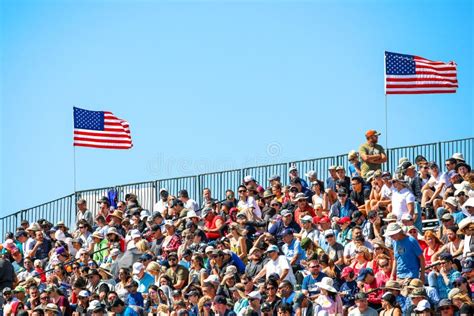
x: 211, y: 85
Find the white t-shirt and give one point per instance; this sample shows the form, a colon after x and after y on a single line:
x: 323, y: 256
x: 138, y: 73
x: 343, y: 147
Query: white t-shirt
x: 400, y: 200
x: 386, y: 192
x: 192, y: 205
x: 278, y: 266
x: 160, y: 206
x: 250, y: 202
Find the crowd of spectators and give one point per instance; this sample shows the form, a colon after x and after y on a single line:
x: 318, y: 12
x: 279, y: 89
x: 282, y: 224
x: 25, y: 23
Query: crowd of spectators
x: 353, y: 244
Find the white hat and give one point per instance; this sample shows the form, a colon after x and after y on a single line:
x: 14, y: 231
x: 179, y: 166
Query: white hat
x: 163, y: 190
x: 138, y: 267
x: 230, y: 270
x: 452, y: 200
x: 329, y: 232
x: 143, y: 214
x: 311, y: 174
x: 401, y: 161
x: 168, y: 222
x: 453, y: 292
x: 52, y: 307
x: 407, y: 217
x: 191, y: 214
x: 469, y: 202
x: 307, y: 218
x: 59, y: 235
x: 84, y: 293
x: 393, y: 229
x: 255, y: 295
x: 292, y: 168
x: 249, y: 178
x: 135, y: 233
x: 458, y: 156
x: 114, y: 252
x: 327, y: 284
x: 212, y: 279
x: 352, y: 154
x: 465, y: 222
x: 423, y: 305
x: 93, y: 305
x: 209, y: 249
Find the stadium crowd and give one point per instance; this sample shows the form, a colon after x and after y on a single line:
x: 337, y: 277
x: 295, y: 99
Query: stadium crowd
x: 353, y: 244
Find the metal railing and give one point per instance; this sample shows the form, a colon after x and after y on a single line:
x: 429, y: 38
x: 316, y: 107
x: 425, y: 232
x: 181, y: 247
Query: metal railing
x: 64, y: 209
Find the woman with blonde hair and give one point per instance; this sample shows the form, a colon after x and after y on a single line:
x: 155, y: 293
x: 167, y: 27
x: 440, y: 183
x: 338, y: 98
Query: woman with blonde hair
x: 238, y: 242
x: 362, y: 259
x: 142, y: 246
x: 204, y: 306
x: 464, y: 303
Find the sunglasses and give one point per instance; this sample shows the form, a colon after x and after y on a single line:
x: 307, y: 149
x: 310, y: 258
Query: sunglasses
x: 444, y: 308
x: 242, y: 191
x: 383, y: 265
x: 329, y: 236
x: 341, y: 195
x: 80, y: 227
x: 314, y: 267
x: 270, y: 288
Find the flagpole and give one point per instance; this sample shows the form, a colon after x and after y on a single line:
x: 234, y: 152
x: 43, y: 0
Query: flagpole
x: 386, y: 107
x: 386, y: 123
x: 74, y: 168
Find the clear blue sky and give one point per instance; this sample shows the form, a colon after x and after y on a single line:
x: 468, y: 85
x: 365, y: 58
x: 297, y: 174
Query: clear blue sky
x: 212, y: 85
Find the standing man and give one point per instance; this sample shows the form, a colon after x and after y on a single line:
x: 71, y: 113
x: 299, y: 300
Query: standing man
x: 409, y: 261
x: 162, y: 205
x: 83, y: 212
x: 372, y: 154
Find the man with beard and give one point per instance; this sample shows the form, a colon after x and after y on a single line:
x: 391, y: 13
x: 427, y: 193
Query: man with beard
x: 177, y: 273
x: 255, y: 264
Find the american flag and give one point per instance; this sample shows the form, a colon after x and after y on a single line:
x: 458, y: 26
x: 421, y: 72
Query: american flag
x: 407, y: 74
x: 100, y: 129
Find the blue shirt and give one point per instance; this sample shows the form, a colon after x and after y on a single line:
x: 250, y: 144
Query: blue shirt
x: 135, y: 299
x: 128, y: 311
x: 145, y: 282
x: 294, y: 248
x: 458, y: 216
x: 309, y: 283
x: 407, y: 251
x: 289, y: 299
x: 351, y: 289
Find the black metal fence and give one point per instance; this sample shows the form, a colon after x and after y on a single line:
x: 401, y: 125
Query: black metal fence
x: 64, y: 209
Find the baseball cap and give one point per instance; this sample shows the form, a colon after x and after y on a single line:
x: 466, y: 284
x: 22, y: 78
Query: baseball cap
x: 307, y: 218
x: 363, y: 273
x: 346, y: 271
x: 371, y: 132
x: 422, y: 306
x: 84, y: 293
x: 272, y: 248
x: 287, y: 231
x: 137, y: 267
x: 344, y: 220
x: 329, y: 232
x: 285, y: 212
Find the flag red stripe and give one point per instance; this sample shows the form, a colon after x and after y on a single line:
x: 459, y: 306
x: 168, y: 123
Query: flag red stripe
x: 102, y: 134
x: 418, y: 79
x: 420, y: 92
x: 435, y: 73
x: 102, y: 146
x: 401, y: 86
x: 98, y: 140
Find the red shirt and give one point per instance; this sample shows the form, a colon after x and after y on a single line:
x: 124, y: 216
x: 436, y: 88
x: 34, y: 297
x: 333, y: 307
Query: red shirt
x: 212, y: 225
x: 374, y: 297
x: 308, y: 209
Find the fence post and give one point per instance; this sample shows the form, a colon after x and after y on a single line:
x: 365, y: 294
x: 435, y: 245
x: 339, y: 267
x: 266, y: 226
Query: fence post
x: 440, y: 155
